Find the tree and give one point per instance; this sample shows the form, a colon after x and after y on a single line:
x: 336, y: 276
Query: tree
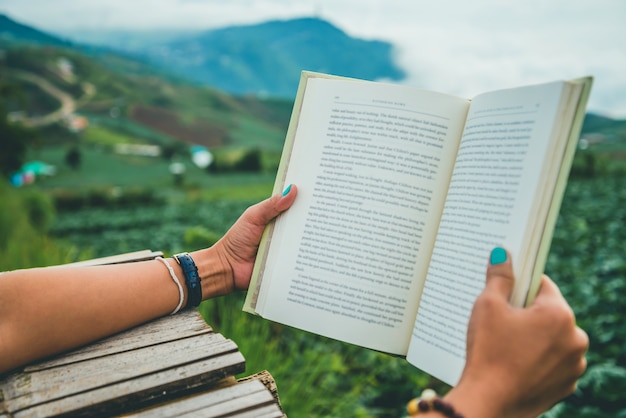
x: 14, y: 142
x: 73, y: 157
x: 14, y: 138
x: 251, y: 161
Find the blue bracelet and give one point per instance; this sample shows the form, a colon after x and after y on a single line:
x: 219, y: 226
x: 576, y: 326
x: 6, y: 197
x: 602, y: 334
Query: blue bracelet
x: 192, y: 279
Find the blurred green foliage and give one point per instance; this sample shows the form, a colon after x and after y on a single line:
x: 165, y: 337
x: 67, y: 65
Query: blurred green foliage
x: 198, y: 237
x: 587, y: 261
x: 25, y: 216
x: 317, y: 376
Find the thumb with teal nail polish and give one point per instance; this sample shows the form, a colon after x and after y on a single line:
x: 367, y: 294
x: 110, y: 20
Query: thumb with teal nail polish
x: 500, y: 276
x: 498, y: 256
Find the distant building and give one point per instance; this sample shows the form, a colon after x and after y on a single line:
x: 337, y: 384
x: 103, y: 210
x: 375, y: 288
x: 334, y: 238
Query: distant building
x: 143, y: 150
x: 76, y: 123
x: 65, y: 67
x: 595, y: 138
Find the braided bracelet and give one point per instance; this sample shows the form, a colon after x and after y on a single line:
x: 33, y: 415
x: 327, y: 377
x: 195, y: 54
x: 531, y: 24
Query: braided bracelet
x: 429, y: 401
x: 181, y: 294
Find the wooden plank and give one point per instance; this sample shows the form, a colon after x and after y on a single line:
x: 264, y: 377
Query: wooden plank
x: 267, y: 411
x: 185, y: 324
x: 240, y: 405
x: 268, y: 380
x: 236, y: 398
x: 171, y: 328
x: 203, y: 400
x: 27, y: 389
x: 139, y: 392
x: 255, y: 396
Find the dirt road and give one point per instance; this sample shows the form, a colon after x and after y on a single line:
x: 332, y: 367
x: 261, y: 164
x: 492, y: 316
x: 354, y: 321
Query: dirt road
x: 68, y: 103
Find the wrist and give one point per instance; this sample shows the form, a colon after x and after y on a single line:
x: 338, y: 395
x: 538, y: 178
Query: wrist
x: 215, y: 273
x: 475, y: 400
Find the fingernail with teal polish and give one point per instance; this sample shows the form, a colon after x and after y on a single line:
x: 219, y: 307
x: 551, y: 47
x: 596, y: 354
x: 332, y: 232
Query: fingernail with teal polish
x: 498, y: 256
x: 287, y: 190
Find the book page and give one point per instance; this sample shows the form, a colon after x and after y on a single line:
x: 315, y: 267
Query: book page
x: 371, y: 162
x: 492, y: 201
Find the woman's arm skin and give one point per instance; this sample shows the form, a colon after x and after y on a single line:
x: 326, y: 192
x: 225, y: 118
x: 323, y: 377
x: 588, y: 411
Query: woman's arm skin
x: 520, y: 361
x: 45, y: 311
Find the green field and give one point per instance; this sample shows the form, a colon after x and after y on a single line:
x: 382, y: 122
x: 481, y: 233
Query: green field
x: 586, y: 260
x: 101, y: 168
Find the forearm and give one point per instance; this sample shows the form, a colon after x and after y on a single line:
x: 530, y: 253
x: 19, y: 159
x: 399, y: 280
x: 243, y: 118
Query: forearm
x: 50, y: 310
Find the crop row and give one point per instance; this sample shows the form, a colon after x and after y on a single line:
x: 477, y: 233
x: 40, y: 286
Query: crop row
x: 587, y: 261
x: 158, y: 227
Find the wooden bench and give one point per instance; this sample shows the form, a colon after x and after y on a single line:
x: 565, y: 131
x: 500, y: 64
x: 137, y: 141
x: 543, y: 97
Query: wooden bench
x: 171, y: 367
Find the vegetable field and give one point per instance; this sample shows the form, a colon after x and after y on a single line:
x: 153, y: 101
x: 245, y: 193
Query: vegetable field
x: 586, y: 260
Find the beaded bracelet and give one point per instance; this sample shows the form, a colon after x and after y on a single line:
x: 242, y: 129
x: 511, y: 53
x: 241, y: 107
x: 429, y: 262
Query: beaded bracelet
x: 429, y: 401
x: 192, y: 279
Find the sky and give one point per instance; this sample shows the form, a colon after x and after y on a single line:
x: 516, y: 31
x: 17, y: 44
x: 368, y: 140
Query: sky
x: 457, y: 47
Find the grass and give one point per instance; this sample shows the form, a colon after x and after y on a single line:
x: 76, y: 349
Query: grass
x: 99, y: 135
x: 101, y: 168
x: 23, y: 242
x: 130, y: 129
x: 250, y: 132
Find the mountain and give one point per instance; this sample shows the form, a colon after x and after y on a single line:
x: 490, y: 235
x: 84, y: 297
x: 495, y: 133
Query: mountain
x: 604, y: 125
x: 605, y: 133
x: 12, y: 31
x: 267, y: 58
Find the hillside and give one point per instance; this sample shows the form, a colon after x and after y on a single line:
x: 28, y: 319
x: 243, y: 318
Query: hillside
x: 126, y: 100
x: 598, y: 124
x: 161, y: 110
x: 262, y: 59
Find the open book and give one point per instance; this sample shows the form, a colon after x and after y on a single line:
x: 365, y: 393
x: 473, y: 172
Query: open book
x: 402, y: 194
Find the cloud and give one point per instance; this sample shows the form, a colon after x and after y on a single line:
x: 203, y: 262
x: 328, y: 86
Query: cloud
x: 486, y: 45
x: 457, y: 47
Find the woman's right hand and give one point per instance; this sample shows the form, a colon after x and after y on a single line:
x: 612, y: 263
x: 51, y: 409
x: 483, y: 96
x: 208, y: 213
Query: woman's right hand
x: 520, y: 361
